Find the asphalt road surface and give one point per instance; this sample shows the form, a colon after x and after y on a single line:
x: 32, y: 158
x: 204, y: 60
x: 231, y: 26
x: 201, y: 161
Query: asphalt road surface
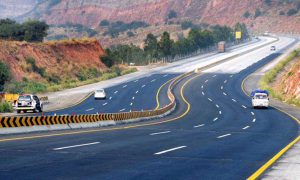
x: 214, y: 132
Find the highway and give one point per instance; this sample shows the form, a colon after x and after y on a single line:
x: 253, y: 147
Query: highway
x: 214, y: 133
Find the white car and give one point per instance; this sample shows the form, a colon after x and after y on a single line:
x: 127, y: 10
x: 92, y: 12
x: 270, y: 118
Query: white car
x: 29, y: 102
x: 100, y: 94
x: 260, y: 100
x: 273, y: 48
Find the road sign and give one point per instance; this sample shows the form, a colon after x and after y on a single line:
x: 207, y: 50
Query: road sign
x: 238, y: 35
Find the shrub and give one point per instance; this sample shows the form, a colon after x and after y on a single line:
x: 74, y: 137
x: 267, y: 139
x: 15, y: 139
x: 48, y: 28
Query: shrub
x: 246, y: 14
x: 104, y: 23
x: 268, y: 2
x: 4, y: 75
x: 107, y: 60
x: 25, y: 87
x: 34, y: 67
x: 257, y: 13
x: 5, y: 107
x: 292, y: 12
x: 281, y: 13
x: 172, y: 14
x: 130, y: 34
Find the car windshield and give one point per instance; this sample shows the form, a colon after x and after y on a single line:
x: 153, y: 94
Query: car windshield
x: 261, y: 96
x: 100, y: 91
x: 24, y: 98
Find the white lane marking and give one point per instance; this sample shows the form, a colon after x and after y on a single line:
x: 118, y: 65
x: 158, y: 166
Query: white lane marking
x: 165, y: 75
x: 153, y: 80
x: 104, y: 104
x: 209, y: 99
x: 224, y: 94
x: 201, y: 125
x: 116, y: 92
x: 244, y: 106
x: 217, y: 106
x: 216, y: 119
x: 124, y: 86
x: 225, y: 81
x: 110, y: 98
x: 122, y: 110
x: 90, y: 109
x: 222, y: 87
x: 202, y: 87
x: 225, y: 135
x: 164, y: 132
x: 169, y: 150
x: 231, y: 76
x: 214, y: 75
x: 203, y: 93
x: 136, y: 80
x: 246, y: 127
x: 136, y: 92
x: 133, y: 98
x: 143, y: 86
x: 79, y: 145
x: 254, y: 120
x: 131, y: 104
x: 220, y: 112
x: 233, y: 100
x: 206, y: 81
x: 252, y: 113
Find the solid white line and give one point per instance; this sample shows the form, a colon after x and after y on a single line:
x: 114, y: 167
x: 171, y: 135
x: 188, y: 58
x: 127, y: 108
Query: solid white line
x: 122, y: 110
x: 104, y: 104
x: 201, y: 125
x: 136, y: 92
x: 222, y: 87
x: 143, y: 86
x: 224, y: 94
x: 165, y: 132
x: 252, y: 113
x: 233, y: 100
x: 90, y: 109
x: 116, y: 92
x: 203, y: 93
x: 133, y: 98
x: 80, y: 145
x: 217, y: 106
x: 220, y: 112
x: 244, y: 107
x: 223, y: 136
x: 246, y: 127
x: 209, y: 99
x: 124, y: 86
x: 169, y: 150
x: 225, y: 81
x: 254, y: 120
x: 215, y: 119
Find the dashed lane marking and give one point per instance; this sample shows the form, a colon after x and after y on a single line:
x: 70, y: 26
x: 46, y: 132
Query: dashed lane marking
x: 122, y: 110
x: 252, y: 113
x: 89, y: 109
x: 215, y: 119
x: 136, y: 80
x: 225, y: 135
x: 203, y: 93
x: 202, y: 87
x: 254, y: 120
x: 222, y: 87
x: 124, y: 86
x: 244, y: 106
x: 169, y: 150
x: 210, y: 99
x: 220, y: 112
x: 217, y: 106
x: 214, y: 75
x: 133, y: 98
x: 224, y: 94
x: 110, y: 98
x: 116, y: 92
x: 225, y: 81
x: 74, y: 146
x: 136, y: 92
x: 131, y: 104
x: 233, y: 100
x: 206, y: 81
x: 158, y: 133
x: 104, y: 104
x: 246, y: 127
x: 201, y: 125
x: 153, y: 80
x: 143, y: 86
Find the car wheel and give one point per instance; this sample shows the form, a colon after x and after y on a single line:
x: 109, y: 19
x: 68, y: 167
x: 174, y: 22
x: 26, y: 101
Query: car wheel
x: 41, y: 108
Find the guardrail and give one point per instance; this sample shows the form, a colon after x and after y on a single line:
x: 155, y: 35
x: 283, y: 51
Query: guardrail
x: 29, y: 121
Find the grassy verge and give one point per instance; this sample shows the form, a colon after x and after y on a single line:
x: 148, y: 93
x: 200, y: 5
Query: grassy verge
x: 6, y: 107
x: 270, y: 76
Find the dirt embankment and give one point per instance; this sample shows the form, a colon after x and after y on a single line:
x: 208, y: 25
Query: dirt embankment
x: 62, y: 59
x: 288, y: 83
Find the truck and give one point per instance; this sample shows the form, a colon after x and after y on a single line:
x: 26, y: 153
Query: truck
x: 221, y: 46
x: 29, y: 102
x: 260, y: 99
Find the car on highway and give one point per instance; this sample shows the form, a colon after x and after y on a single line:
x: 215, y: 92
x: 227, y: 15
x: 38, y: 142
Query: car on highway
x: 29, y: 102
x: 260, y: 99
x: 273, y: 48
x: 100, y: 94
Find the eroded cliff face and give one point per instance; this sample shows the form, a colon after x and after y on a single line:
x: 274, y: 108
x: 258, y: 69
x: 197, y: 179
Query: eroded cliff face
x: 63, y: 59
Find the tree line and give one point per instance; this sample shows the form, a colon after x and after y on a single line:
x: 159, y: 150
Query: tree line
x: 31, y: 30
x: 164, y: 46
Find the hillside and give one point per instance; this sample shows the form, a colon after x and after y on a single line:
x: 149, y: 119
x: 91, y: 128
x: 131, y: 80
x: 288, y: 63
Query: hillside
x: 52, y: 62
x: 272, y: 15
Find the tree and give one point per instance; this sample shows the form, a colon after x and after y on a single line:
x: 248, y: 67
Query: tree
x: 292, y: 12
x: 35, y: 31
x: 268, y: 2
x: 172, y: 14
x: 257, y: 13
x: 247, y: 14
x: 151, y: 46
x: 104, y: 23
x: 107, y: 60
x: 4, y: 75
x: 165, y: 44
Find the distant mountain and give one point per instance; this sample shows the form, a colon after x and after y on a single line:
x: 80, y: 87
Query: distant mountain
x: 259, y: 15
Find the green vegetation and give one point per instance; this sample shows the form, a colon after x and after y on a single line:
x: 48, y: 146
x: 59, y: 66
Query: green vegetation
x: 4, y: 75
x: 268, y: 2
x: 246, y: 14
x: 270, y: 76
x: 6, y: 107
x: 165, y: 47
x: 25, y: 87
x: 33, y: 67
x: 292, y: 12
x: 257, y: 13
x: 79, y: 28
x: 31, y: 30
x: 104, y: 23
x: 172, y: 14
x: 115, y: 28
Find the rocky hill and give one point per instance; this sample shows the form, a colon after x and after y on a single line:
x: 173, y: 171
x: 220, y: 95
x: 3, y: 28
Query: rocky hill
x: 260, y: 15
